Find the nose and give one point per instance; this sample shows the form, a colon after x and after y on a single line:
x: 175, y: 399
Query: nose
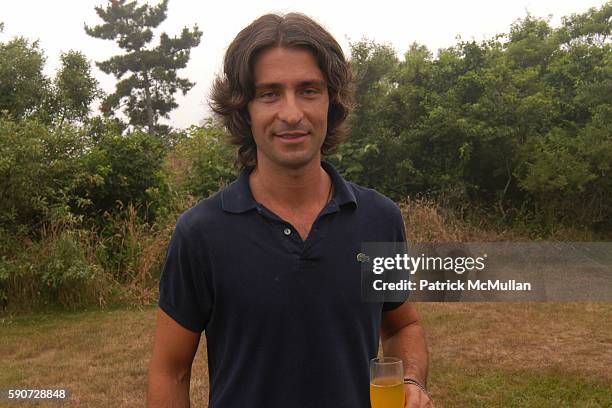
x: 290, y: 111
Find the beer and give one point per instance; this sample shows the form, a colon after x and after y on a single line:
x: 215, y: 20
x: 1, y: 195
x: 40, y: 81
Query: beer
x: 387, y: 392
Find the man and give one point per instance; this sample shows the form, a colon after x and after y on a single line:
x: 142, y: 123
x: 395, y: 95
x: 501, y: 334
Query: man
x: 267, y: 267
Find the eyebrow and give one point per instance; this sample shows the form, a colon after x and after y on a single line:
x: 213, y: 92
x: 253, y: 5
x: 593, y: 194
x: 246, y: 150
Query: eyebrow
x: 277, y: 85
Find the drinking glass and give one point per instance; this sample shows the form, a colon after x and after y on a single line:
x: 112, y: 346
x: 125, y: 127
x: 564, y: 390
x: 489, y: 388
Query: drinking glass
x: 386, y: 383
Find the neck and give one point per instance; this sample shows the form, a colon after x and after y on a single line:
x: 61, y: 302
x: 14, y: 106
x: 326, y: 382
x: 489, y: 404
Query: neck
x: 297, y: 188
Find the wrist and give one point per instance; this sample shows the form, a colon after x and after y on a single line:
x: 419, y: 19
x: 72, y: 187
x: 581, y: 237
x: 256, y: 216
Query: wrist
x: 417, y: 383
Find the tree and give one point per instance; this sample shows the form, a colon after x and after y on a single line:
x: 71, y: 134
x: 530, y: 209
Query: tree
x: 23, y: 86
x: 147, y: 77
x: 75, y: 88
x: 359, y: 157
x: 592, y: 27
x: 26, y: 92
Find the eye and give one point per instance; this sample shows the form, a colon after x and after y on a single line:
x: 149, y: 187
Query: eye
x: 267, y: 95
x: 310, y: 91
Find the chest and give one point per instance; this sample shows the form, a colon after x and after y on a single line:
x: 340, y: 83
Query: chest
x: 286, y: 277
x: 259, y: 266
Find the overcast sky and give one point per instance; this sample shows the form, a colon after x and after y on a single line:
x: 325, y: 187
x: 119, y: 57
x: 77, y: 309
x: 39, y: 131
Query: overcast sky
x: 58, y: 25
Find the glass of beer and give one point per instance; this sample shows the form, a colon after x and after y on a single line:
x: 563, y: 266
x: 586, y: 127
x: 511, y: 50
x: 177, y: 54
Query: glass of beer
x: 386, y: 383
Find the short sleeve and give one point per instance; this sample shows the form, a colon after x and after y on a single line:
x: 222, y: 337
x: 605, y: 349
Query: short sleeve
x: 183, y: 291
x: 399, y: 235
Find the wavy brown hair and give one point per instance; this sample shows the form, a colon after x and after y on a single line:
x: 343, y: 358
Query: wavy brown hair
x: 232, y: 90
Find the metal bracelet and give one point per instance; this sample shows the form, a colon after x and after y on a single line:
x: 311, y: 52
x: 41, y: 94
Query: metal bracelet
x: 412, y: 381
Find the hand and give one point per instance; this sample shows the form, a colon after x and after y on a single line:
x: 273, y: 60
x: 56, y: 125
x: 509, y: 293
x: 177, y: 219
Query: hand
x: 416, y: 398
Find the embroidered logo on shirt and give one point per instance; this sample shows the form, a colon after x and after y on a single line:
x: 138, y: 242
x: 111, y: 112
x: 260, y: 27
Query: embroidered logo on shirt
x: 363, y: 258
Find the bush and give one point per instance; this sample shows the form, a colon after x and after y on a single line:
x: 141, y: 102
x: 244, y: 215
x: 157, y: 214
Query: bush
x: 202, y: 162
x: 60, y: 270
x: 38, y: 171
x: 121, y: 170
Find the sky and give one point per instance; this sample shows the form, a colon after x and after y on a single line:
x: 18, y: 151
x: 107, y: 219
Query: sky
x: 58, y: 26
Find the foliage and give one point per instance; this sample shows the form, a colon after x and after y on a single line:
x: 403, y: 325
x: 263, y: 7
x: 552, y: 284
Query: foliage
x: 58, y: 270
x: 373, y: 65
x: 202, y: 162
x: 74, y: 175
x: 121, y: 170
x: 25, y: 92
x: 23, y: 86
x: 518, y: 122
x: 38, y: 171
x: 147, y: 93
x: 75, y: 88
x: 512, y: 132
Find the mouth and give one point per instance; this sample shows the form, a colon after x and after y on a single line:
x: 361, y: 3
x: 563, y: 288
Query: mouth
x: 293, y: 136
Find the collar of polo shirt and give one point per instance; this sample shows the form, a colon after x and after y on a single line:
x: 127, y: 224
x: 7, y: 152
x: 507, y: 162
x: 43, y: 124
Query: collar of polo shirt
x: 237, y: 197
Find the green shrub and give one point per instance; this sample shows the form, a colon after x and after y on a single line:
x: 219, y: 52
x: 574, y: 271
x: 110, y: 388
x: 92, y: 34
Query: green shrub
x: 202, y: 162
x: 38, y: 171
x: 122, y: 170
x: 60, y: 270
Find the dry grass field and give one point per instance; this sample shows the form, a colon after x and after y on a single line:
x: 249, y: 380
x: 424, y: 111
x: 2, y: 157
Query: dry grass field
x: 482, y: 354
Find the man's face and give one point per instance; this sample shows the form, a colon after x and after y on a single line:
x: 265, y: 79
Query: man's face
x: 288, y: 113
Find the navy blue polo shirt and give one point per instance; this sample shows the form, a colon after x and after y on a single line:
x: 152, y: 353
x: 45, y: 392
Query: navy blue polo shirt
x: 284, y: 321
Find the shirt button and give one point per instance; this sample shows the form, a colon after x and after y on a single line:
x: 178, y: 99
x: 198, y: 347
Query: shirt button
x: 287, y: 231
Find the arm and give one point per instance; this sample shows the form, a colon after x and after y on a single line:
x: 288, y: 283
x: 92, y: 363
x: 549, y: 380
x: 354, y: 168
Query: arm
x: 170, y: 367
x: 403, y: 337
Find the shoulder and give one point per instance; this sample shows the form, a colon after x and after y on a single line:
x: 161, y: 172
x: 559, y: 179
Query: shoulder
x: 201, y: 217
x: 381, y: 218
x: 371, y: 201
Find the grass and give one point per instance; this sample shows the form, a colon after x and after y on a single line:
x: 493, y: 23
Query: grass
x: 101, y: 357
x: 482, y: 355
x: 493, y: 387
x: 519, y: 354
